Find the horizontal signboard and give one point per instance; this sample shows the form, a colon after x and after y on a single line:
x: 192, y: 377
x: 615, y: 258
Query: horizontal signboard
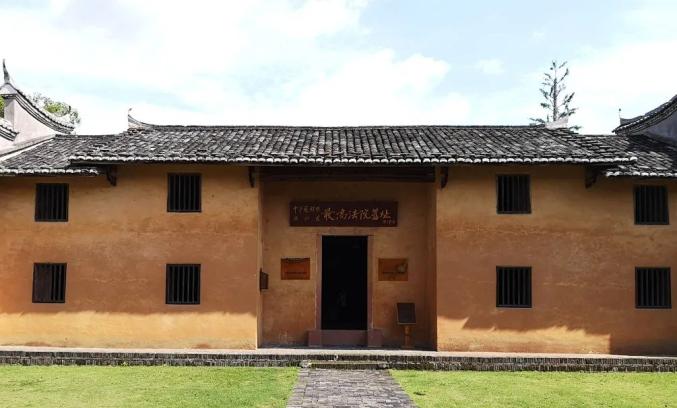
x: 343, y: 213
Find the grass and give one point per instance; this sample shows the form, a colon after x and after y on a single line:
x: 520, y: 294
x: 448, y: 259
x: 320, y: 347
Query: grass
x: 59, y: 386
x: 533, y: 389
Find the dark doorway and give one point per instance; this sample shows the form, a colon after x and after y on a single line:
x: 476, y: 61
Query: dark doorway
x: 344, y: 283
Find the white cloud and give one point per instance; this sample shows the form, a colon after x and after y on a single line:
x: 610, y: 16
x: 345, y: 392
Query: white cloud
x: 254, y: 62
x: 635, y: 75
x: 302, y: 62
x: 492, y: 66
x: 538, y: 35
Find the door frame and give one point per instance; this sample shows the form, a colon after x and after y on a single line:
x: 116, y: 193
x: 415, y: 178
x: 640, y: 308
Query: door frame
x: 369, y: 234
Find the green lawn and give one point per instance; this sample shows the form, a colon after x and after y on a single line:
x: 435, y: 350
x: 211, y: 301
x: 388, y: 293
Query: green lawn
x: 533, y: 389
x: 59, y: 386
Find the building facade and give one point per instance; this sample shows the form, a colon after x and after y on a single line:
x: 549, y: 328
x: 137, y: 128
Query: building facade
x: 508, y: 238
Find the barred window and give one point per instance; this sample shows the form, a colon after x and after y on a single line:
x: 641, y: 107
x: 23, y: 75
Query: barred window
x: 513, y: 286
x: 49, y: 283
x: 51, y: 202
x: 651, y: 205
x: 513, y: 194
x: 183, y: 284
x: 652, y: 288
x: 184, y: 193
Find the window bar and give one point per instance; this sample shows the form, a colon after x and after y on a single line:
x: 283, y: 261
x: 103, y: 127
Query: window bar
x: 660, y: 292
x: 519, y: 193
x: 196, y: 285
x: 654, y: 288
x: 50, y: 202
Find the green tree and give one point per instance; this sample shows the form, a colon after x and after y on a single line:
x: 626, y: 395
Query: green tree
x: 557, y: 103
x: 2, y: 108
x: 58, y: 109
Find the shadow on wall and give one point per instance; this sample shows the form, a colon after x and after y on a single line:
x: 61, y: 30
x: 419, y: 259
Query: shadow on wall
x: 583, y: 298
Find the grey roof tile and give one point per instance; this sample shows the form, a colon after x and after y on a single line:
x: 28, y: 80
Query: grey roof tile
x: 346, y: 145
x: 49, y: 157
x: 655, y: 158
x: 360, y: 146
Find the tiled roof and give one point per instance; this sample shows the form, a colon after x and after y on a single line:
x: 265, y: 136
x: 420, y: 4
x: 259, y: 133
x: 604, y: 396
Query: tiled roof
x: 638, y: 156
x: 654, y: 157
x: 348, y: 145
x: 49, y: 157
x: 650, y: 118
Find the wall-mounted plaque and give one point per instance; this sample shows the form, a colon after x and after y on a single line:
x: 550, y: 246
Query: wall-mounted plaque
x: 406, y: 313
x: 295, y: 268
x: 393, y: 269
x: 343, y: 213
x: 263, y: 280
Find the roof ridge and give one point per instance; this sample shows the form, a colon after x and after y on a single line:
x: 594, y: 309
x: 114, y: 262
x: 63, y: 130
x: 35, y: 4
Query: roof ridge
x: 155, y: 126
x: 75, y: 135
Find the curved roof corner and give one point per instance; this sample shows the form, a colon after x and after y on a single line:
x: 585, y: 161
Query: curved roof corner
x: 7, y: 130
x: 133, y: 123
x: 637, y: 124
x: 9, y: 91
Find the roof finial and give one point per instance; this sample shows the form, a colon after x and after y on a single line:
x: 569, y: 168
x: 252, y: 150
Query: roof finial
x: 134, y: 123
x: 4, y: 71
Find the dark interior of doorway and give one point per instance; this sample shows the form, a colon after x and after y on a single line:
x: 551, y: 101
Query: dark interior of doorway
x: 344, y: 283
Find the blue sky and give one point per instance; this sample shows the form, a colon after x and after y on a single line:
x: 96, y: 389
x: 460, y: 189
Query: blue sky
x: 339, y: 62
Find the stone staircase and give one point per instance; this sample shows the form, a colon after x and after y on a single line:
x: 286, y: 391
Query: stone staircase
x: 345, y: 365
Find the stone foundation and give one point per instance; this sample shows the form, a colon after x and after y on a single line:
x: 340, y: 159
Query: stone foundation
x: 417, y: 360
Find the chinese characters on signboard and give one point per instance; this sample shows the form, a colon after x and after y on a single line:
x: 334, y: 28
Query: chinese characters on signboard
x: 343, y: 214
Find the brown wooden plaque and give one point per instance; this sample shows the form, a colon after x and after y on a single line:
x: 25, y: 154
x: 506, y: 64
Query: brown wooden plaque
x: 295, y: 268
x: 343, y: 213
x: 406, y: 313
x: 393, y: 269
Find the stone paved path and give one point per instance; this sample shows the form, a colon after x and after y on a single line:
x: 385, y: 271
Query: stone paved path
x: 347, y: 388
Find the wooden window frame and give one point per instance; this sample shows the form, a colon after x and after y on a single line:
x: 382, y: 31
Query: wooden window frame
x: 529, y: 289
x: 39, y: 216
x: 528, y: 208
x: 170, y: 208
x: 168, y: 285
x: 668, y: 283
x: 61, y: 296
x: 666, y: 204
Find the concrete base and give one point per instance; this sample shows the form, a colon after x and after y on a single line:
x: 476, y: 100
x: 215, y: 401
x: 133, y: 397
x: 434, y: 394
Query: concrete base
x: 374, y: 338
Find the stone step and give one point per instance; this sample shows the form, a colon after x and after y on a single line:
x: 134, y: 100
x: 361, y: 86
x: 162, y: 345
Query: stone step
x: 345, y: 364
x: 365, y: 359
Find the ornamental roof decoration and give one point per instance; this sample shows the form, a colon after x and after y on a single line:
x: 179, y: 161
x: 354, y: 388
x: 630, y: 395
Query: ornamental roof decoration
x: 133, y: 123
x: 10, y: 91
x: 5, y: 73
x: 7, y: 130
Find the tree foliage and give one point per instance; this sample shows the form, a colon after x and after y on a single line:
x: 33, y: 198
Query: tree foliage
x: 2, y: 108
x: 557, y: 103
x: 58, y: 109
